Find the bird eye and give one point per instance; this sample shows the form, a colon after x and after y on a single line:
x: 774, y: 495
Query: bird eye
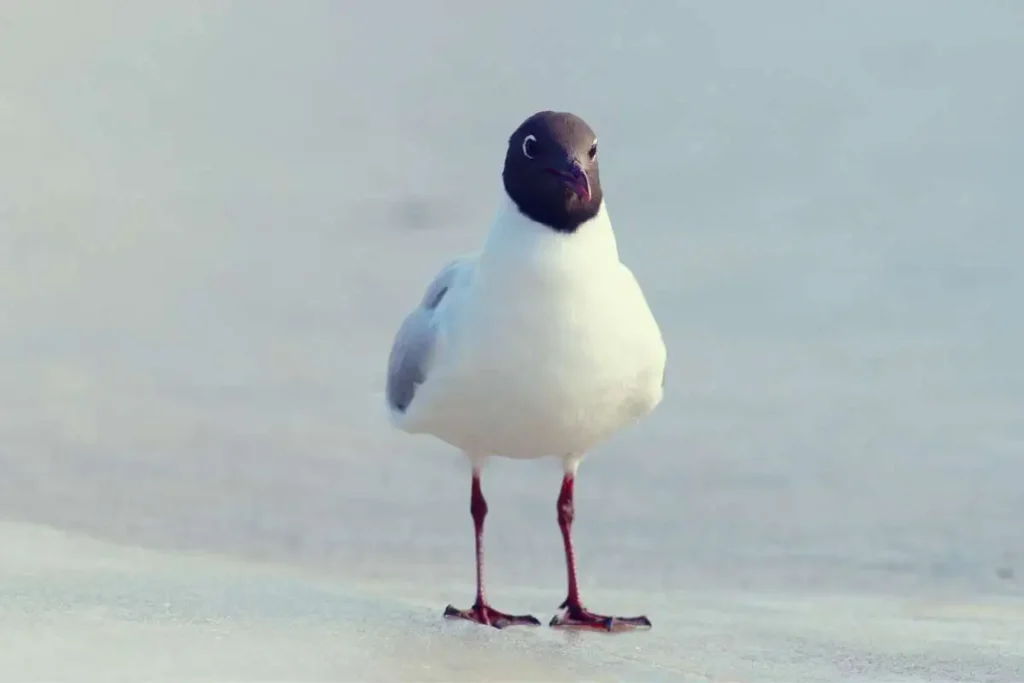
x: 529, y: 146
x: 593, y: 151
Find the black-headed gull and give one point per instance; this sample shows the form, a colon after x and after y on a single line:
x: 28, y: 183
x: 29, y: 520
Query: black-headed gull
x: 541, y: 344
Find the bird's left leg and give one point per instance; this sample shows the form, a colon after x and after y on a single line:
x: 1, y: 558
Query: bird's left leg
x: 574, y: 614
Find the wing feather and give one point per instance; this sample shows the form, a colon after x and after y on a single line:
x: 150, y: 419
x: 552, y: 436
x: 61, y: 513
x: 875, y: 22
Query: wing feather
x: 413, y: 348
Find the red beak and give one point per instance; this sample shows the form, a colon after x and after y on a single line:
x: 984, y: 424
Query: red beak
x: 575, y: 178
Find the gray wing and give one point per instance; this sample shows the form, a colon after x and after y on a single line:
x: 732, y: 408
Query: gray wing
x: 413, y: 347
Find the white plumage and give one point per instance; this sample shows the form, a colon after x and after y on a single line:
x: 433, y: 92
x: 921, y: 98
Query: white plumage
x: 542, y: 344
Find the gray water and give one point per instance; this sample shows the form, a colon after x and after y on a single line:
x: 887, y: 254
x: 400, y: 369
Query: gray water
x: 214, y: 215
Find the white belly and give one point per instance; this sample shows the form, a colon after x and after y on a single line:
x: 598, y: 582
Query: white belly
x: 549, y: 372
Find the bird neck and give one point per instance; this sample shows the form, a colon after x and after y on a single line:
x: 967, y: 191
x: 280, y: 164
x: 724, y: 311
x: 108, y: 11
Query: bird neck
x: 515, y: 238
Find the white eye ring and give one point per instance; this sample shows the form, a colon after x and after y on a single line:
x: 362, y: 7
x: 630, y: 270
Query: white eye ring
x: 526, y: 144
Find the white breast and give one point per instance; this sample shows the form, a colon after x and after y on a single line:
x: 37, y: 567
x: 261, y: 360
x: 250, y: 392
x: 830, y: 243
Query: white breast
x: 551, y: 351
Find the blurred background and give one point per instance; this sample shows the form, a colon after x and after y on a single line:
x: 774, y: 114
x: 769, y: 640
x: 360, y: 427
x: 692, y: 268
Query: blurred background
x: 214, y: 214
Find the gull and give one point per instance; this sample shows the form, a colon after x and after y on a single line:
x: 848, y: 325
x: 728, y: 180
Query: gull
x: 541, y: 344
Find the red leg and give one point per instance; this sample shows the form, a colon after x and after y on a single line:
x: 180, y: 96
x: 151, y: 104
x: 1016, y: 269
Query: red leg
x: 481, y: 612
x: 574, y: 615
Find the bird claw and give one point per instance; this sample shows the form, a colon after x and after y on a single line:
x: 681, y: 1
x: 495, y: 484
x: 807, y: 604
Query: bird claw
x: 488, y: 616
x: 577, y: 617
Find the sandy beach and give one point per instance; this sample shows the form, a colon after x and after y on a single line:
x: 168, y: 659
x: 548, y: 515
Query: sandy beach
x: 214, y: 215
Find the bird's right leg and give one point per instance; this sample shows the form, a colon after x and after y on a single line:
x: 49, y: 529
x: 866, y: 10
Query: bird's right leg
x: 481, y: 612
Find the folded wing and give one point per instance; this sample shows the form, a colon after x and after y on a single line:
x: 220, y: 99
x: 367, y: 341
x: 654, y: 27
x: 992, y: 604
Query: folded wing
x: 412, y: 352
